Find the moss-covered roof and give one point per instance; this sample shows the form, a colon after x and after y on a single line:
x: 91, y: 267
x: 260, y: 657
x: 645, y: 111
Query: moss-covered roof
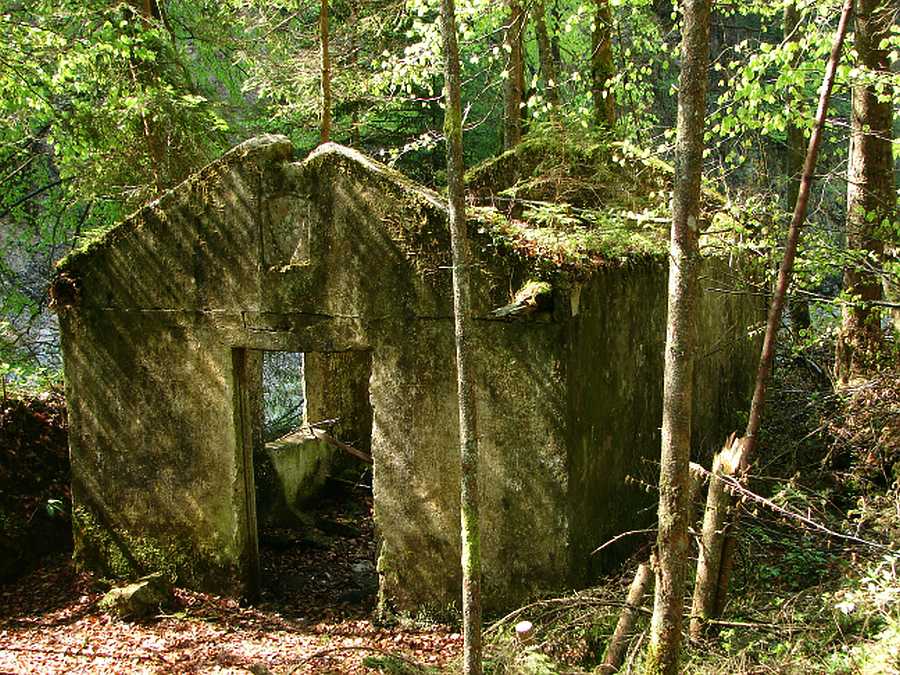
x: 581, y: 202
x: 556, y: 201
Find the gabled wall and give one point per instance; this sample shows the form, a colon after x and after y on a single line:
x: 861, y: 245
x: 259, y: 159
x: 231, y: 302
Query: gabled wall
x: 335, y: 253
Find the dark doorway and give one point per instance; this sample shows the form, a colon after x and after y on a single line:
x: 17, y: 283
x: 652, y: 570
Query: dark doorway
x: 312, y: 499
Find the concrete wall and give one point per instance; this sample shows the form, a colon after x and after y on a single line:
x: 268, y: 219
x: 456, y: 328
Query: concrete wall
x: 330, y: 255
x: 338, y: 254
x: 336, y: 388
x: 616, y: 353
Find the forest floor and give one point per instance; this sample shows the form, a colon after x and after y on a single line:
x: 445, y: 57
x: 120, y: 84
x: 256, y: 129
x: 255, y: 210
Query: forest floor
x: 50, y: 623
x: 313, y: 615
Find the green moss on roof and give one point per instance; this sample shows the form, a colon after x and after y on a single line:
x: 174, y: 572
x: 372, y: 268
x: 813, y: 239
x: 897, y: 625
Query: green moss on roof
x: 578, y: 201
x: 597, y: 240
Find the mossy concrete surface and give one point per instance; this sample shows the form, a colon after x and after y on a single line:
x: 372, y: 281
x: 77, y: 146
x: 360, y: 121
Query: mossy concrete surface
x: 334, y: 255
x: 301, y: 465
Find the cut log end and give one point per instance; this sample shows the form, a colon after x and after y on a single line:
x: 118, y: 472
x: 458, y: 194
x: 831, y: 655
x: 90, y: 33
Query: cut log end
x: 524, y: 632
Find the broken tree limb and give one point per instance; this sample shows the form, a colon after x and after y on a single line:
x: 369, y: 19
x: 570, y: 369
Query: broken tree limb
x: 718, y: 504
x: 618, y: 643
x: 698, y: 478
x: 340, y: 445
x: 776, y: 308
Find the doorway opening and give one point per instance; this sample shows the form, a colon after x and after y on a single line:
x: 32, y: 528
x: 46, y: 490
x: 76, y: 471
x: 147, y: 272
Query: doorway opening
x: 311, y: 429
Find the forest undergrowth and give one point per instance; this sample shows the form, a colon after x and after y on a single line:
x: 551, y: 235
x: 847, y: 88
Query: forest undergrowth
x: 817, y: 576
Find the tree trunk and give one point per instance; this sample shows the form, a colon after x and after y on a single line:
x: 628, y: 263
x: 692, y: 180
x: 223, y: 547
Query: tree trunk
x: 545, y: 54
x: 515, y: 76
x: 325, y: 74
x: 718, y: 503
x: 767, y: 355
x: 793, y: 160
x: 469, y: 522
x: 555, y: 48
x: 615, y: 652
x: 674, y: 477
x: 602, y: 69
x: 870, y: 195
x: 149, y: 10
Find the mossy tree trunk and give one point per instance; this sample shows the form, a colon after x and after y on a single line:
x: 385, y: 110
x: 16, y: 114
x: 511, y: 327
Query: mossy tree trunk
x: 545, y: 54
x: 602, y: 69
x: 684, y: 260
x: 870, y: 193
x: 515, y: 75
x: 325, y: 74
x: 468, y: 441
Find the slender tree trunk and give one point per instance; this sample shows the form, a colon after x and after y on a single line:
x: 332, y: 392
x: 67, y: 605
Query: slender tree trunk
x: 324, y: 74
x: 674, y: 477
x: 515, y: 76
x: 767, y: 355
x: 618, y: 643
x: 149, y: 10
x: 554, y: 40
x: 545, y: 54
x: 870, y: 194
x: 468, y: 440
x: 793, y: 160
x: 602, y: 69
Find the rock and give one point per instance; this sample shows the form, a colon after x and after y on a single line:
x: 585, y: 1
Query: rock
x: 10, y: 558
x: 140, y: 599
x: 280, y: 540
x: 337, y: 528
x: 354, y: 596
x: 363, y: 568
x: 365, y: 576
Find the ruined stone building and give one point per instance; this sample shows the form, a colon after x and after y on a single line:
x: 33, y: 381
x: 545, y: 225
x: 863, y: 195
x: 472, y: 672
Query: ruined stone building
x: 340, y: 258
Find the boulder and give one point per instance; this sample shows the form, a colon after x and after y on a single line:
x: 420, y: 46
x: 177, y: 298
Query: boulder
x: 139, y: 599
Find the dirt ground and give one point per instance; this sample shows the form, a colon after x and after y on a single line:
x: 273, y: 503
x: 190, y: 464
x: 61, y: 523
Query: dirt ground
x: 313, y: 614
x: 50, y: 623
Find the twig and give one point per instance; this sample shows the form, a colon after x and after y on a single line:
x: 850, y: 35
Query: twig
x: 736, y: 486
x: 744, y: 624
x: 349, y: 449
x: 551, y: 605
x: 357, y: 648
x: 646, y: 530
x: 33, y: 193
